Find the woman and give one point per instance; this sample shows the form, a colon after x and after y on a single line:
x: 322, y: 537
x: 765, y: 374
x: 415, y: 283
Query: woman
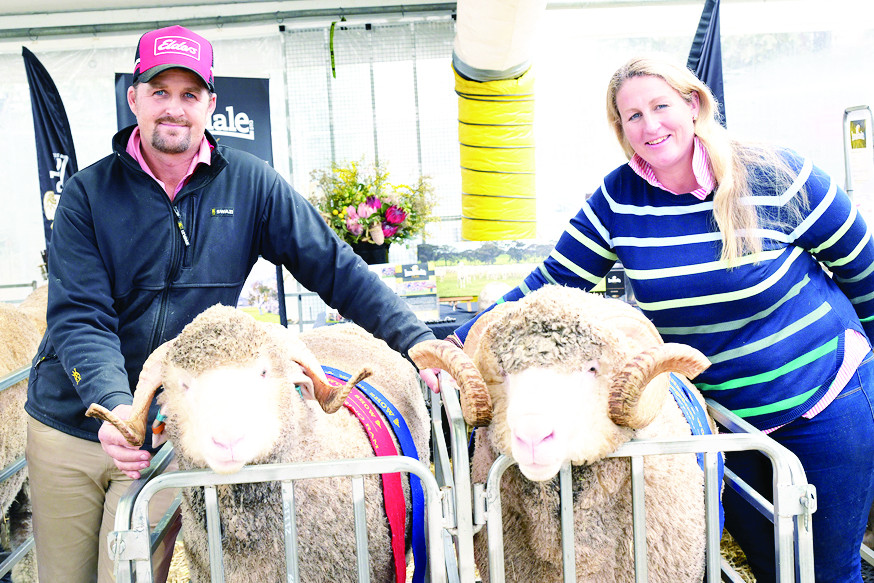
x: 728, y: 247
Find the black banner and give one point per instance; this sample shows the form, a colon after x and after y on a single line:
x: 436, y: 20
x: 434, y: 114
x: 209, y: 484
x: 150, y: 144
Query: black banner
x: 241, y: 118
x: 705, y: 57
x: 55, y: 156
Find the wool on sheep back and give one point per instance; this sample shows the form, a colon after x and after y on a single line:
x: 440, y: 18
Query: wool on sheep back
x: 549, y: 360
x: 20, y: 335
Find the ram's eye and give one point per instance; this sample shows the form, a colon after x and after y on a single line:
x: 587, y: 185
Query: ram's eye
x: 264, y: 373
x: 592, y: 367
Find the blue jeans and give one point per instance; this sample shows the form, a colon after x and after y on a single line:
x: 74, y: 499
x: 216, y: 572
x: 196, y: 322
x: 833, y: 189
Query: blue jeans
x: 836, y: 448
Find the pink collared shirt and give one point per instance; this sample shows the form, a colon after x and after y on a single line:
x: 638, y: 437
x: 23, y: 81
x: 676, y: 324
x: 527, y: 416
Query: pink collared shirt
x: 204, y: 156
x: 700, y: 168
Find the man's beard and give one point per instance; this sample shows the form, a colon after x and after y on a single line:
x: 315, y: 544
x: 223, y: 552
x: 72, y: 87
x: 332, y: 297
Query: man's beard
x: 173, y: 145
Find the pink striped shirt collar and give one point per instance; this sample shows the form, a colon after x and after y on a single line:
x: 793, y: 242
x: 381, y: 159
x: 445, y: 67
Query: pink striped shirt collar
x: 700, y: 167
x: 204, y: 155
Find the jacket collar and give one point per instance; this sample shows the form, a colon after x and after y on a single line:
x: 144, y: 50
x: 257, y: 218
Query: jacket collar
x: 202, y: 174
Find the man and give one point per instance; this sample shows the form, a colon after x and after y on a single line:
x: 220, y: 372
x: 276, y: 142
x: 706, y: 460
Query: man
x: 144, y: 240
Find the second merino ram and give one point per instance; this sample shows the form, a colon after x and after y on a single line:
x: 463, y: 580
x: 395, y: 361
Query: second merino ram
x: 571, y: 377
x: 230, y: 399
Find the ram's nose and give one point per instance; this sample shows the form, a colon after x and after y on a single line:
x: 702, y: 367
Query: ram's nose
x: 227, y: 444
x: 533, y: 439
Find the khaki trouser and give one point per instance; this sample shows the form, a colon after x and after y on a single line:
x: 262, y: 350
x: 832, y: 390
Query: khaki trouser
x: 75, y: 488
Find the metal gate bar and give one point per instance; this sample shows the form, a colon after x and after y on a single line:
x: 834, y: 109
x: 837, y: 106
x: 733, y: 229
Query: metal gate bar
x: 794, y: 503
x: 131, y: 539
x: 19, y: 552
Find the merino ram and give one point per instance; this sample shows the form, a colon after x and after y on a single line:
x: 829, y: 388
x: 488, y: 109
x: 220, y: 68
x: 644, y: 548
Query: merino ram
x: 230, y: 399
x: 21, y: 328
x: 571, y: 377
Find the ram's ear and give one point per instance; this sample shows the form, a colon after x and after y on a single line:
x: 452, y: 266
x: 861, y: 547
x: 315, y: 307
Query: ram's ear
x: 303, y: 383
x: 638, y: 332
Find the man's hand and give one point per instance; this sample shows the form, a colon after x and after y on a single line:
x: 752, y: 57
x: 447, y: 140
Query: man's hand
x: 430, y: 376
x: 127, y: 458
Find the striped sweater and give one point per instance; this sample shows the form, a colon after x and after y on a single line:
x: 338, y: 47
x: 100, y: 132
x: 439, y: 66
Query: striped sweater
x: 772, y: 326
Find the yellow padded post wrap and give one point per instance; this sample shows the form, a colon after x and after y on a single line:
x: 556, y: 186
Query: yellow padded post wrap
x: 496, y: 140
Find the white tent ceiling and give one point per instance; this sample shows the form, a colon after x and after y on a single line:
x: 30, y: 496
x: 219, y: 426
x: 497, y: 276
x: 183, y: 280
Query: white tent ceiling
x: 50, y: 6
x: 52, y: 18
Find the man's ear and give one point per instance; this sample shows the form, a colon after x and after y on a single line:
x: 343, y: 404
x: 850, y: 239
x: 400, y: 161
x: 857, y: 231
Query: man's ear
x: 212, y: 103
x: 132, y: 99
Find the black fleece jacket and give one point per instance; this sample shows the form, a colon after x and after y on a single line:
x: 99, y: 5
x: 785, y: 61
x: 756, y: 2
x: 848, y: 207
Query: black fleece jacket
x: 124, y: 276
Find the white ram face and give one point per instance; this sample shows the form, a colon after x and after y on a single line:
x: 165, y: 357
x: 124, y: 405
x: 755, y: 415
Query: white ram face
x: 227, y: 417
x: 555, y: 416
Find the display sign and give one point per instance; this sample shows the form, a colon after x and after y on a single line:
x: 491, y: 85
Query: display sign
x: 416, y: 283
x: 859, y: 158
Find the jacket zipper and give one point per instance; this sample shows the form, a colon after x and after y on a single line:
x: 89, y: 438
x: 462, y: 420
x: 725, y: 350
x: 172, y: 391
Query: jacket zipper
x: 181, y: 225
x: 175, y: 264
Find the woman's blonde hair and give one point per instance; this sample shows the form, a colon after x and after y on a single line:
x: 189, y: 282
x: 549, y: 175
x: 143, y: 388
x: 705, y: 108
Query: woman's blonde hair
x: 732, y: 162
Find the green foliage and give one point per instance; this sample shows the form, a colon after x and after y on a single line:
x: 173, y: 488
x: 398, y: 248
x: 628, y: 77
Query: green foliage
x: 360, y: 204
x: 261, y: 316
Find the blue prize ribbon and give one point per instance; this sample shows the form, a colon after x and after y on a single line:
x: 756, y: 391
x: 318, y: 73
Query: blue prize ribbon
x: 697, y: 420
x: 408, y: 448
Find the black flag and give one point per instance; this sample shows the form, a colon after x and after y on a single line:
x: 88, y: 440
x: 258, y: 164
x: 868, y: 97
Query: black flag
x: 705, y: 57
x: 55, y: 156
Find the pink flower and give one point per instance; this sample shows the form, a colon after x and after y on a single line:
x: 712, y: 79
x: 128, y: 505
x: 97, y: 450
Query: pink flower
x: 389, y: 230
x: 395, y: 215
x: 354, y: 227
x: 351, y: 214
x: 364, y: 211
x: 373, y: 203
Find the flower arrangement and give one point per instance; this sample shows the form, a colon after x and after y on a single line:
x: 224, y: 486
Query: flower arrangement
x: 361, y: 205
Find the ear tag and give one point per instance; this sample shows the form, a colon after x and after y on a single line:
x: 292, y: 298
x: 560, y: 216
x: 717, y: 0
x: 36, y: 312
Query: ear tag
x: 158, y: 425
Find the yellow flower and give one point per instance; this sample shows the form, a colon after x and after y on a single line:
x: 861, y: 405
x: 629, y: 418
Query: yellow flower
x: 335, y: 212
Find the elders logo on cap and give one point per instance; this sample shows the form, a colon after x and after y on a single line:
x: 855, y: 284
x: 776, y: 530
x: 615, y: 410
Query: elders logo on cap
x: 177, y: 44
x: 172, y: 47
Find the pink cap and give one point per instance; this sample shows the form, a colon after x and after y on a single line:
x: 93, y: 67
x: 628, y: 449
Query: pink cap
x: 171, y: 47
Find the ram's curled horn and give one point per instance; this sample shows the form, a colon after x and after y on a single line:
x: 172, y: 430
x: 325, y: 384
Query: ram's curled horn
x: 630, y: 404
x: 134, y: 428
x: 330, y: 397
x: 476, y: 404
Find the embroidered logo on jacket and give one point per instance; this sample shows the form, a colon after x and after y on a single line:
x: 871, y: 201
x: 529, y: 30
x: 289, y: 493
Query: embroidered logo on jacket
x: 222, y: 212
